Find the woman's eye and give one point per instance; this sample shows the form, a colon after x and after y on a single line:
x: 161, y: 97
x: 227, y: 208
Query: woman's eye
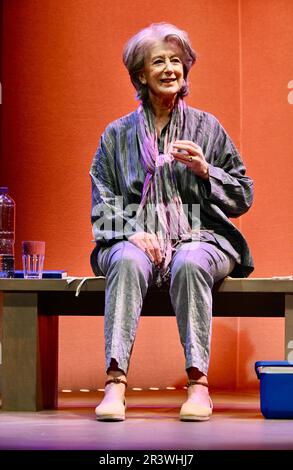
x: 158, y: 61
x: 176, y: 60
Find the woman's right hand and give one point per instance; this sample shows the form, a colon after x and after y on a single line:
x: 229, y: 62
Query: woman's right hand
x: 147, y: 242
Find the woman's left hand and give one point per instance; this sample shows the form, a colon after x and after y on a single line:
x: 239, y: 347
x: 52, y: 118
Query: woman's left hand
x: 191, y: 154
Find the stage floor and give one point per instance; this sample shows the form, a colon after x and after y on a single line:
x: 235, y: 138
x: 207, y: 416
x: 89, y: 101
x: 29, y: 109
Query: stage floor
x: 151, y: 424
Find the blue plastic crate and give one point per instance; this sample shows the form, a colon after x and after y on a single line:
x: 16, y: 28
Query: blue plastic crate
x: 276, y: 388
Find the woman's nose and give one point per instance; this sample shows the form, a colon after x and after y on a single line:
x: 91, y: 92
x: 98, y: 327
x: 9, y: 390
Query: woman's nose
x: 168, y: 66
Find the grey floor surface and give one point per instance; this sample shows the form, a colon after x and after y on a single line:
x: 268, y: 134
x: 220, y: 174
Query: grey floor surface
x: 152, y: 424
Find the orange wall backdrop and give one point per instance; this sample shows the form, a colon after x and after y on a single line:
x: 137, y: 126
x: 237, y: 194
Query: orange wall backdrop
x: 63, y: 81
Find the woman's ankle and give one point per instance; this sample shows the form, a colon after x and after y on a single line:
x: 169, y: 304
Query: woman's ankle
x: 114, y: 369
x: 114, y: 374
x: 196, y: 375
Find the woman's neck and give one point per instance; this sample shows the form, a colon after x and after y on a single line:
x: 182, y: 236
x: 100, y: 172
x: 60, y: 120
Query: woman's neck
x: 162, y: 109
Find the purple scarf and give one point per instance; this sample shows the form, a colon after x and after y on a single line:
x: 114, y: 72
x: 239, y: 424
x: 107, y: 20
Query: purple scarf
x: 161, y: 210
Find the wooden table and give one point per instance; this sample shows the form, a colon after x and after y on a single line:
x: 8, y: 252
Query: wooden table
x: 30, y: 325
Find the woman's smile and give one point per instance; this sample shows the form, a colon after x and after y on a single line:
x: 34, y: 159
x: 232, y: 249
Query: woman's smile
x: 168, y: 80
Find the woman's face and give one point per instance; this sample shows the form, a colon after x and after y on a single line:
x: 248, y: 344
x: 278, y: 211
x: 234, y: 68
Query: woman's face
x: 163, y: 70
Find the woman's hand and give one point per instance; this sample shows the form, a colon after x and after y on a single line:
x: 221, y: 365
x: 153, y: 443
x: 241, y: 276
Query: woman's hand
x: 191, y: 154
x: 148, y: 243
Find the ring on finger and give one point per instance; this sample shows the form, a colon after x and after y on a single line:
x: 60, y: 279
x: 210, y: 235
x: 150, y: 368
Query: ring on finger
x: 190, y: 158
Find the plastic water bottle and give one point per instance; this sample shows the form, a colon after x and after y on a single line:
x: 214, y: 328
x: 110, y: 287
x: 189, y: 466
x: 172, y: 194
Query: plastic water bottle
x: 7, y: 233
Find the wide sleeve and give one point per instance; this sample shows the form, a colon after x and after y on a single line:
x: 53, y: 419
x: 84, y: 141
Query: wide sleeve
x: 111, y: 219
x: 228, y: 186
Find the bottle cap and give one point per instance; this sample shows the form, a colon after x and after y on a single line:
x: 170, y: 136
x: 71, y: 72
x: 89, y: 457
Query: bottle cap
x: 3, y: 190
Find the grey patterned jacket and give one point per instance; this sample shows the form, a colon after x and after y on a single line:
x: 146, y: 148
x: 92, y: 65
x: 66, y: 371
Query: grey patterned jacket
x: 118, y: 175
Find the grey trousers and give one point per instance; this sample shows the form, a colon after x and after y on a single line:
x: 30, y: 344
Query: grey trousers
x: 195, y: 266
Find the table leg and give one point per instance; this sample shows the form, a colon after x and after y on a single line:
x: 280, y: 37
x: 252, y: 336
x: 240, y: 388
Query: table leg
x: 30, y: 353
x: 289, y: 328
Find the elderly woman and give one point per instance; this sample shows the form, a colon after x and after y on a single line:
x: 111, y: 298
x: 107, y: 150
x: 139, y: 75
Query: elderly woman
x: 165, y: 181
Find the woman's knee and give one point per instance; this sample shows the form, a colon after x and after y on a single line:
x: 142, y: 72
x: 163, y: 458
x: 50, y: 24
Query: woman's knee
x: 190, y: 265
x: 132, y: 259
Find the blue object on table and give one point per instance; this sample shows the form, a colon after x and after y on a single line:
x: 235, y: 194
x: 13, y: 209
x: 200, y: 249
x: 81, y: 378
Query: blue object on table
x: 57, y: 274
x: 276, y: 388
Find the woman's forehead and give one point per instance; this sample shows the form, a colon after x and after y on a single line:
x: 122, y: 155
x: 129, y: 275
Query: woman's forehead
x: 163, y: 48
